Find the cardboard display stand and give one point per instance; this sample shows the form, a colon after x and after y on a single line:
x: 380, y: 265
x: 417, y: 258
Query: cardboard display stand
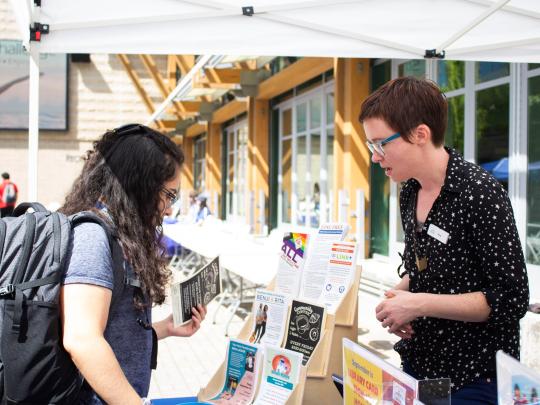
x: 315, y: 381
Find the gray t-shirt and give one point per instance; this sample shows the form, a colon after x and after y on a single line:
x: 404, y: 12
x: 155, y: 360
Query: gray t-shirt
x: 89, y: 262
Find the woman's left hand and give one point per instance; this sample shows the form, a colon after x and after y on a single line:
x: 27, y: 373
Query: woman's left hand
x: 188, y: 329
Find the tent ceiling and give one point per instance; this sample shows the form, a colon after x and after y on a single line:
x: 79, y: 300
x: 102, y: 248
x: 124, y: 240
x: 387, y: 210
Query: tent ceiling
x: 507, y: 30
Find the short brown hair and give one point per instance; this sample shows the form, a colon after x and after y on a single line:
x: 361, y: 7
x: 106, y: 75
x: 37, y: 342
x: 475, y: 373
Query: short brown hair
x: 407, y: 102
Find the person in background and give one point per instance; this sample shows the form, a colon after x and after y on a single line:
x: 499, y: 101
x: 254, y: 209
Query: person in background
x: 131, y: 179
x: 193, y: 209
x: 8, y: 196
x: 204, y: 211
x: 465, y: 285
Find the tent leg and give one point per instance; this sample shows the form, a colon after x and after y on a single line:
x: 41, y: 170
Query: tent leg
x: 33, y: 122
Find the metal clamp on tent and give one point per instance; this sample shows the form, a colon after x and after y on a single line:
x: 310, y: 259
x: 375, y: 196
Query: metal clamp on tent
x: 433, y: 54
x: 37, y: 30
x: 248, y: 11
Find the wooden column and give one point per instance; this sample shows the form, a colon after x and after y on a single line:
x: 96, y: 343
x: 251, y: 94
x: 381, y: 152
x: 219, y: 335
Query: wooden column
x: 258, y: 170
x: 213, y: 165
x: 351, y: 155
x: 187, y: 170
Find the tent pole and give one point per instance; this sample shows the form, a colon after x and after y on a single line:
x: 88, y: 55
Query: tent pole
x: 474, y: 23
x: 33, y: 122
x: 489, y: 47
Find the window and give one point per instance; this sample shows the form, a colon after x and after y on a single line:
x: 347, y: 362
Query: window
x: 199, y: 162
x: 236, y: 183
x: 306, y: 156
x: 533, y: 171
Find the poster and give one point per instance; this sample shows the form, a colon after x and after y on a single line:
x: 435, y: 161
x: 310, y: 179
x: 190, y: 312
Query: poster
x: 14, y: 88
x: 241, y: 376
x: 281, y: 374
x: 316, y: 267
x: 340, y: 274
x: 291, y: 263
x: 367, y: 379
x: 516, y: 383
x: 200, y: 288
x: 304, y: 328
x: 269, y: 317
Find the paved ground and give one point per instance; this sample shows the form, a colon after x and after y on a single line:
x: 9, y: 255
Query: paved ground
x: 186, y: 364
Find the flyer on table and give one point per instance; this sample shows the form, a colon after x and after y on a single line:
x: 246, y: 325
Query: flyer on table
x: 241, y: 376
x: 291, y: 263
x: 201, y: 288
x: 516, y: 383
x: 367, y: 379
x: 304, y: 328
x: 340, y: 274
x: 269, y: 317
x: 281, y: 374
x: 315, y: 269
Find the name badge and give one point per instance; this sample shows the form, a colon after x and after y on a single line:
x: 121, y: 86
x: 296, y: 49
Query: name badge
x: 440, y: 234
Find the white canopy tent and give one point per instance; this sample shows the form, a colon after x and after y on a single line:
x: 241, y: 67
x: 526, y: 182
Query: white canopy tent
x: 486, y: 30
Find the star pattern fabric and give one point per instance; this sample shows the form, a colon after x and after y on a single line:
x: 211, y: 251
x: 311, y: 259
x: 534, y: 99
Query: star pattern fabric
x: 483, y: 253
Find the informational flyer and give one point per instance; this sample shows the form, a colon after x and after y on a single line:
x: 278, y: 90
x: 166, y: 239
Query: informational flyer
x: 516, y: 383
x: 241, y: 376
x: 304, y: 328
x: 367, y: 379
x: 340, y: 274
x: 269, y: 317
x: 315, y: 269
x: 281, y: 374
x: 291, y: 263
x: 201, y: 288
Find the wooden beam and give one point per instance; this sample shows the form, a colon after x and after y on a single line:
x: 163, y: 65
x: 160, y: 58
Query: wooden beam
x: 294, y: 75
x: 258, y: 159
x: 213, y: 165
x: 213, y: 75
x: 186, y: 179
x: 184, y: 62
x: 351, y: 156
x: 179, y: 110
x: 196, y: 129
x: 150, y: 65
x: 138, y: 86
x: 228, y: 86
x: 228, y: 111
x: 171, y: 72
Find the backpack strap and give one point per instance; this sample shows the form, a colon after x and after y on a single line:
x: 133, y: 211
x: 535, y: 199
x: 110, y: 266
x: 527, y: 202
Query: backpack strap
x: 23, y: 207
x: 117, y: 255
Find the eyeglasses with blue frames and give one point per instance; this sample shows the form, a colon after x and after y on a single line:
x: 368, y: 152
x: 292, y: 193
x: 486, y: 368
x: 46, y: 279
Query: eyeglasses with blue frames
x: 378, y: 146
x: 172, y: 197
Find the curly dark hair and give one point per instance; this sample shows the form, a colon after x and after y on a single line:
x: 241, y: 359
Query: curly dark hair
x: 126, y: 171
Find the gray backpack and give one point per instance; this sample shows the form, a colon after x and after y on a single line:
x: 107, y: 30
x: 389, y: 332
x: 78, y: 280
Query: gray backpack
x: 34, y: 366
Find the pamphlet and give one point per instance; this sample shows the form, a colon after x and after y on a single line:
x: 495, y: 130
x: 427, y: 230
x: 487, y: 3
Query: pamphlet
x: 241, y: 376
x: 291, y: 263
x: 201, y: 288
x: 315, y: 269
x: 269, y: 317
x: 340, y: 274
x: 516, y: 383
x: 367, y: 379
x: 281, y: 374
x: 304, y: 328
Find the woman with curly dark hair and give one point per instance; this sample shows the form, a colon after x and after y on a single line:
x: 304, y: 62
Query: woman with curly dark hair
x: 130, y: 179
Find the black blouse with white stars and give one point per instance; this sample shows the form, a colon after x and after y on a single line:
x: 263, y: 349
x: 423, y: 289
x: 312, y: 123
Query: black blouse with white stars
x: 482, y: 253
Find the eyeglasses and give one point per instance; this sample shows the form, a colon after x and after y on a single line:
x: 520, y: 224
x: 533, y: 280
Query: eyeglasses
x: 378, y: 146
x: 172, y: 197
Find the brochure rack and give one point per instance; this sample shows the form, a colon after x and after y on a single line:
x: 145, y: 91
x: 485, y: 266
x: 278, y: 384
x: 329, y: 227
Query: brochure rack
x: 316, y: 377
x: 319, y: 383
